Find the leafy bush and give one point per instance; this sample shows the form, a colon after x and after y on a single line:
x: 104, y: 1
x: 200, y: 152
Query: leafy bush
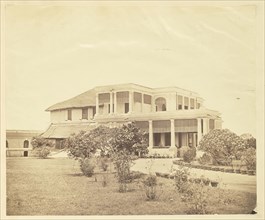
x: 41, y: 146
x: 87, y: 167
x: 85, y: 144
x: 125, y: 141
x: 198, y: 198
x: 223, y: 145
x: 205, y: 159
x: 249, y: 158
x: 181, y: 179
x: 189, y: 155
x: 150, y: 184
x: 42, y: 152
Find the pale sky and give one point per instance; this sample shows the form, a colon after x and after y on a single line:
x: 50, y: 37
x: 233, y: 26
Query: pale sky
x: 53, y: 53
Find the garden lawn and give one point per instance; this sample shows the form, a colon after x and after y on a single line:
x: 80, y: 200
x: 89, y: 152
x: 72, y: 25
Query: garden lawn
x: 56, y: 187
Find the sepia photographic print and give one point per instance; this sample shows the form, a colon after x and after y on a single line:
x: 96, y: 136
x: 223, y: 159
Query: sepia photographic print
x: 132, y: 109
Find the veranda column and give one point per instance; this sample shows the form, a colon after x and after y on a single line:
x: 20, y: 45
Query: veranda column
x: 151, y: 134
x: 97, y: 106
x: 199, y: 131
x: 111, y: 102
x: 205, y: 126
x: 115, y: 103
x: 172, y: 123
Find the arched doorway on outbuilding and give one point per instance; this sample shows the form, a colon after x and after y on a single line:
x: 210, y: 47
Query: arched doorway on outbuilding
x: 26, y: 145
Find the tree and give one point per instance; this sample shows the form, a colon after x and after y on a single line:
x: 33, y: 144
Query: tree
x: 125, y: 142
x: 222, y: 145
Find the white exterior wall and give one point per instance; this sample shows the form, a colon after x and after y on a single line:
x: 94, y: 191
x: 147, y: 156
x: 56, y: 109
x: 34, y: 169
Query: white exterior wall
x: 171, y: 102
x: 147, y: 108
x: 76, y: 114
x: 217, y: 124
x: 58, y: 116
x: 120, y: 108
x: 137, y: 107
x: 90, y: 114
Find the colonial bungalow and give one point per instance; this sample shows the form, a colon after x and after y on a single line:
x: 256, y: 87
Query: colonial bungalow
x: 173, y: 117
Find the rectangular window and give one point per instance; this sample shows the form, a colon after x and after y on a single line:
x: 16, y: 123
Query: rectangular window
x: 186, y: 103
x: 126, y: 107
x: 84, y: 113
x: 198, y: 105
x: 147, y: 99
x: 191, y: 103
x: 69, y: 114
x: 157, y: 139
x: 180, y: 101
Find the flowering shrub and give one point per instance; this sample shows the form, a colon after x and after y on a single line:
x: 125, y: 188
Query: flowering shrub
x: 249, y: 158
x: 223, y: 145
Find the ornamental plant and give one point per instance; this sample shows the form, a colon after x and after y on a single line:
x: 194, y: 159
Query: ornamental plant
x: 223, y: 145
x: 189, y: 155
x: 249, y: 158
x: 41, y: 146
x: 86, y: 143
x: 125, y: 142
x: 150, y: 184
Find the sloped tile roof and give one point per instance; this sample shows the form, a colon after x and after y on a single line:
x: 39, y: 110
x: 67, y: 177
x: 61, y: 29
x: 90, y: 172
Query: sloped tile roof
x: 65, y: 130
x: 85, y: 99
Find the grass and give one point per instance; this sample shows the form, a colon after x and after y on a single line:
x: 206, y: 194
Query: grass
x: 56, y: 187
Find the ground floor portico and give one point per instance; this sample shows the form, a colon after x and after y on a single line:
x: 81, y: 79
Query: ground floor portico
x: 166, y: 136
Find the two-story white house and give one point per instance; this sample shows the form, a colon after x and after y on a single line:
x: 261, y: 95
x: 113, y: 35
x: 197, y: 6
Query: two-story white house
x: 173, y: 117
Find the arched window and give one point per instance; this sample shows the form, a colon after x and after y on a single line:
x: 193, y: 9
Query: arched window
x: 6, y: 144
x: 161, y: 104
x: 26, y: 144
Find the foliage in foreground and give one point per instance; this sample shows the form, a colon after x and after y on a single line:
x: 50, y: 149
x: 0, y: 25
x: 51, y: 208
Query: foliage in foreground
x: 120, y: 144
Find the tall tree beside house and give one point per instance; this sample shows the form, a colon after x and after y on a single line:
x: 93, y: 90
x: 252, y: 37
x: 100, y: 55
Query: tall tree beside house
x: 223, y: 145
x: 125, y: 142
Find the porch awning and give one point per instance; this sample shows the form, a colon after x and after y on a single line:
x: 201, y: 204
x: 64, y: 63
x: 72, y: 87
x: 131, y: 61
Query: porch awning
x: 65, y: 130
